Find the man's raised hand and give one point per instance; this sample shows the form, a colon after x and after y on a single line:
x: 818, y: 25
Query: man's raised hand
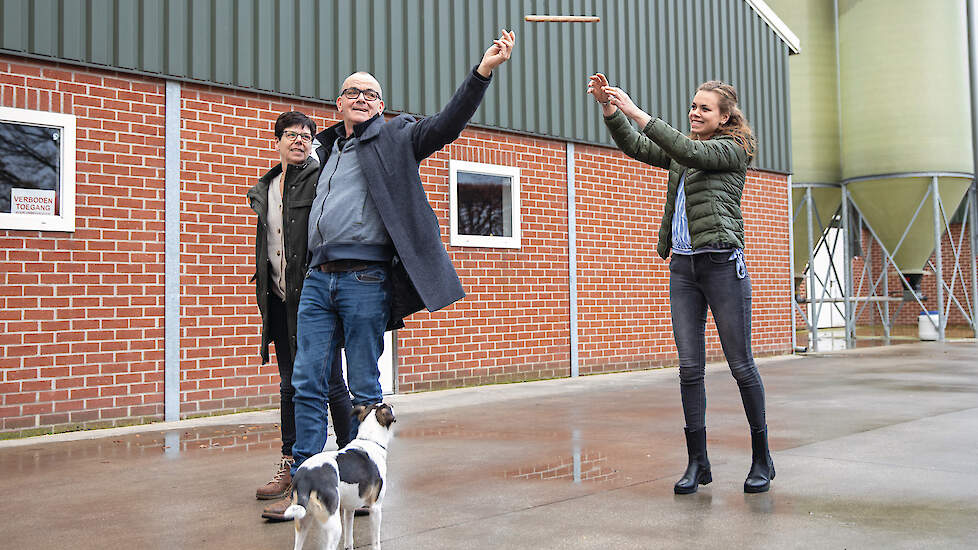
x: 498, y: 53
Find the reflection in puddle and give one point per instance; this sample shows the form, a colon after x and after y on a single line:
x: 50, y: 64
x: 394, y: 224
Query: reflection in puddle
x: 226, y: 438
x: 760, y: 503
x: 834, y: 338
x: 578, y: 466
x: 586, y: 465
x: 171, y: 443
x: 458, y: 431
x: 701, y: 499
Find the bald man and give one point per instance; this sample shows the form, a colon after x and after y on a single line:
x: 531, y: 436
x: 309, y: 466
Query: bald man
x: 375, y: 247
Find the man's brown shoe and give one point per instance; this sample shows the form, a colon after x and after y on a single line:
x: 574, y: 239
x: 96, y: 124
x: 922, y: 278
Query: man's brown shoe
x: 276, y: 510
x: 280, y: 485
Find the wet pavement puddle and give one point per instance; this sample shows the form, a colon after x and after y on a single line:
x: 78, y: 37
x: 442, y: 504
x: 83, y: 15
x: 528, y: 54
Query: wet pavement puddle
x: 171, y: 444
x: 581, y: 466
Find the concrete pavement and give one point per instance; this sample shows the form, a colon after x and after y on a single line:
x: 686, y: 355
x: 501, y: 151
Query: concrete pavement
x: 874, y: 448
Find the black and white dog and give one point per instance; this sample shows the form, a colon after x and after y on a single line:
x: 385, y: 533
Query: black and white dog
x: 330, y: 486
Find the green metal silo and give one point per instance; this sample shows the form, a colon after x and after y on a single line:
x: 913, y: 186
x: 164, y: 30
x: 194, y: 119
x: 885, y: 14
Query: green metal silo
x: 816, y: 162
x: 904, y: 95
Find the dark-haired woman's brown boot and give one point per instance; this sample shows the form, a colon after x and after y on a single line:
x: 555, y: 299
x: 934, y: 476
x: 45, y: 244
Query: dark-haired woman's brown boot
x: 698, y: 471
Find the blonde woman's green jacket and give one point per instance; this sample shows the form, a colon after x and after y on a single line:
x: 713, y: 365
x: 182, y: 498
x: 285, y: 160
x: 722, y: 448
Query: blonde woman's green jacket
x: 716, y: 170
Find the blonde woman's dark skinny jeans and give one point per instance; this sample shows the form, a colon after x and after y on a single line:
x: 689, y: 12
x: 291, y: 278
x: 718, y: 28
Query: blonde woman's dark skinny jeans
x: 710, y: 280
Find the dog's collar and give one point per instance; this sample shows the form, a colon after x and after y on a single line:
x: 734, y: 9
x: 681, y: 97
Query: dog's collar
x: 374, y: 442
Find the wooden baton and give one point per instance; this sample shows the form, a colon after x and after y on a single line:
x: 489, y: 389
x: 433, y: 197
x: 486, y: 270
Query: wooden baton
x: 562, y: 18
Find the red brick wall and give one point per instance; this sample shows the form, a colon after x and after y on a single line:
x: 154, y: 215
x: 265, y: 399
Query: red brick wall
x: 906, y: 313
x: 765, y: 206
x: 624, y: 285
x: 227, y: 143
x: 81, y: 314
x: 513, y: 323
x: 909, y: 312
x: 622, y: 282
x: 960, y: 282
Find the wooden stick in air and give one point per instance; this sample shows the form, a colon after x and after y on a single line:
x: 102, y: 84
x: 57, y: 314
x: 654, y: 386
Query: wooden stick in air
x: 562, y: 18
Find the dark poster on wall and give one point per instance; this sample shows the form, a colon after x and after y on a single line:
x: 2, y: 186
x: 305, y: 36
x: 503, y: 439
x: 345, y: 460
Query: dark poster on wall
x: 484, y: 205
x: 30, y: 166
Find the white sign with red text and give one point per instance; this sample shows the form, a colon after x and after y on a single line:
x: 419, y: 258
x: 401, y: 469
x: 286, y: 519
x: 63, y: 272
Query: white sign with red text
x: 32, y: 201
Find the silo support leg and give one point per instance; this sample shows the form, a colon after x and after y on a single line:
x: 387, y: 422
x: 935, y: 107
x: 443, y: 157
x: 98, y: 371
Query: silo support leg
x: 957, y: 251
x: 973, y: 205
x: 814, y: 303
x: 885, y: 314
x: 936, y: 201
x: 847, y: 262
x: 887, y: 254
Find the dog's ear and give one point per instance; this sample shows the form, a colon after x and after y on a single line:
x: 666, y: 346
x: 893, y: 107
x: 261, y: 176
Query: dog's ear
x: 361, y: 411
x: 385, y: 415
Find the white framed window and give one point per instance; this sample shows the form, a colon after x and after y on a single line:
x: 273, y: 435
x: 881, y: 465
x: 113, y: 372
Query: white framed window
x: 485, y: 205
x: 37, y: 170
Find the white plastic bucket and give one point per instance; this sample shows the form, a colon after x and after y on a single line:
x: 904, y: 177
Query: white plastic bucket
x: 927, y: 325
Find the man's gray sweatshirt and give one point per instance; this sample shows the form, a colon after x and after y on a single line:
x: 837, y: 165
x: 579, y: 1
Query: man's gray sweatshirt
x: 344, y: 223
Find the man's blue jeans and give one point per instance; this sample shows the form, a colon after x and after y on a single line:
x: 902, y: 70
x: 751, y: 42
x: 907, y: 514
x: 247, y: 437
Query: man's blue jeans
x: 711, y: 280
x: 350, y: 309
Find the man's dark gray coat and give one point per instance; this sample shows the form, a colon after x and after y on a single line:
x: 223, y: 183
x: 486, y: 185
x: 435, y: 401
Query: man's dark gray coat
x: 422, y: 275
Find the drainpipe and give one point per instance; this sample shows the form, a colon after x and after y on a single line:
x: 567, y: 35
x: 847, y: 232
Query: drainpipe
x: 171, y: 271
x: 791, y: 267
x: 572, y: 260
x: 972, y: 23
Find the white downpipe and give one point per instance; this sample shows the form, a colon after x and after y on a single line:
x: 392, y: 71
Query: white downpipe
x: 171, y: 276
x: 572, y: 260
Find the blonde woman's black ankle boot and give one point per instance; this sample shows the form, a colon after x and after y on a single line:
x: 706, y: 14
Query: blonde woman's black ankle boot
x: 698, y: 471
x: 762, y: 467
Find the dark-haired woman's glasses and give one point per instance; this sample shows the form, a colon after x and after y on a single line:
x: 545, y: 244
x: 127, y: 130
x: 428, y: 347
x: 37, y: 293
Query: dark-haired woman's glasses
x: 291, y: 136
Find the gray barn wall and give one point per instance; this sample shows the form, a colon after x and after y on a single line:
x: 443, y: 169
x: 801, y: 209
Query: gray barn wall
x: 657, y: 50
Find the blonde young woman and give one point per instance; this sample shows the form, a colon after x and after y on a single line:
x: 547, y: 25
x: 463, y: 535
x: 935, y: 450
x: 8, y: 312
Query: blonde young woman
x: 702, y: 235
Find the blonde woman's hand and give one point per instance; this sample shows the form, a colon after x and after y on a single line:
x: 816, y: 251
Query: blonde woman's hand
x: 620, y: 99
x: 595, y: 86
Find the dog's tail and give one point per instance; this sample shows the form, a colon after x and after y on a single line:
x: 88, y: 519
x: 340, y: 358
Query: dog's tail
x: 312, y: 488
x: 295, y: 511
x: 303, y: 483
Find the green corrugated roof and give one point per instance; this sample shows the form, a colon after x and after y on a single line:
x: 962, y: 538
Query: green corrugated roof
x: 419, y: 50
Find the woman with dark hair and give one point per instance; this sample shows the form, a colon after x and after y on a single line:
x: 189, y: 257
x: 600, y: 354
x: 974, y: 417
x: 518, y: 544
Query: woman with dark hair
x: 702, y: 235
x: 282, y: 199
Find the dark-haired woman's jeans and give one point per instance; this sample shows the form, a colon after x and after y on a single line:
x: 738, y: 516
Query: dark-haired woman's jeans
x: 710, y: 280
x: 340, y: 407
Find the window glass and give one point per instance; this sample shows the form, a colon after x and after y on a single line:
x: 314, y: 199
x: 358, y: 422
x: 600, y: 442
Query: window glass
x: 30, y: 169
x: 37, y: 170
x: 485, y: 205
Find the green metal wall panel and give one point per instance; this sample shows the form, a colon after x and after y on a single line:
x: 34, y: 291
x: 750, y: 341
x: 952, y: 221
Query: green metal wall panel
x: 152, y: 25
x: 12, y: 25
x: 223, y: 30
x: 657, y: 50
x: 73, y: 22
x: 45, y: 43
x: 127, y: 39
